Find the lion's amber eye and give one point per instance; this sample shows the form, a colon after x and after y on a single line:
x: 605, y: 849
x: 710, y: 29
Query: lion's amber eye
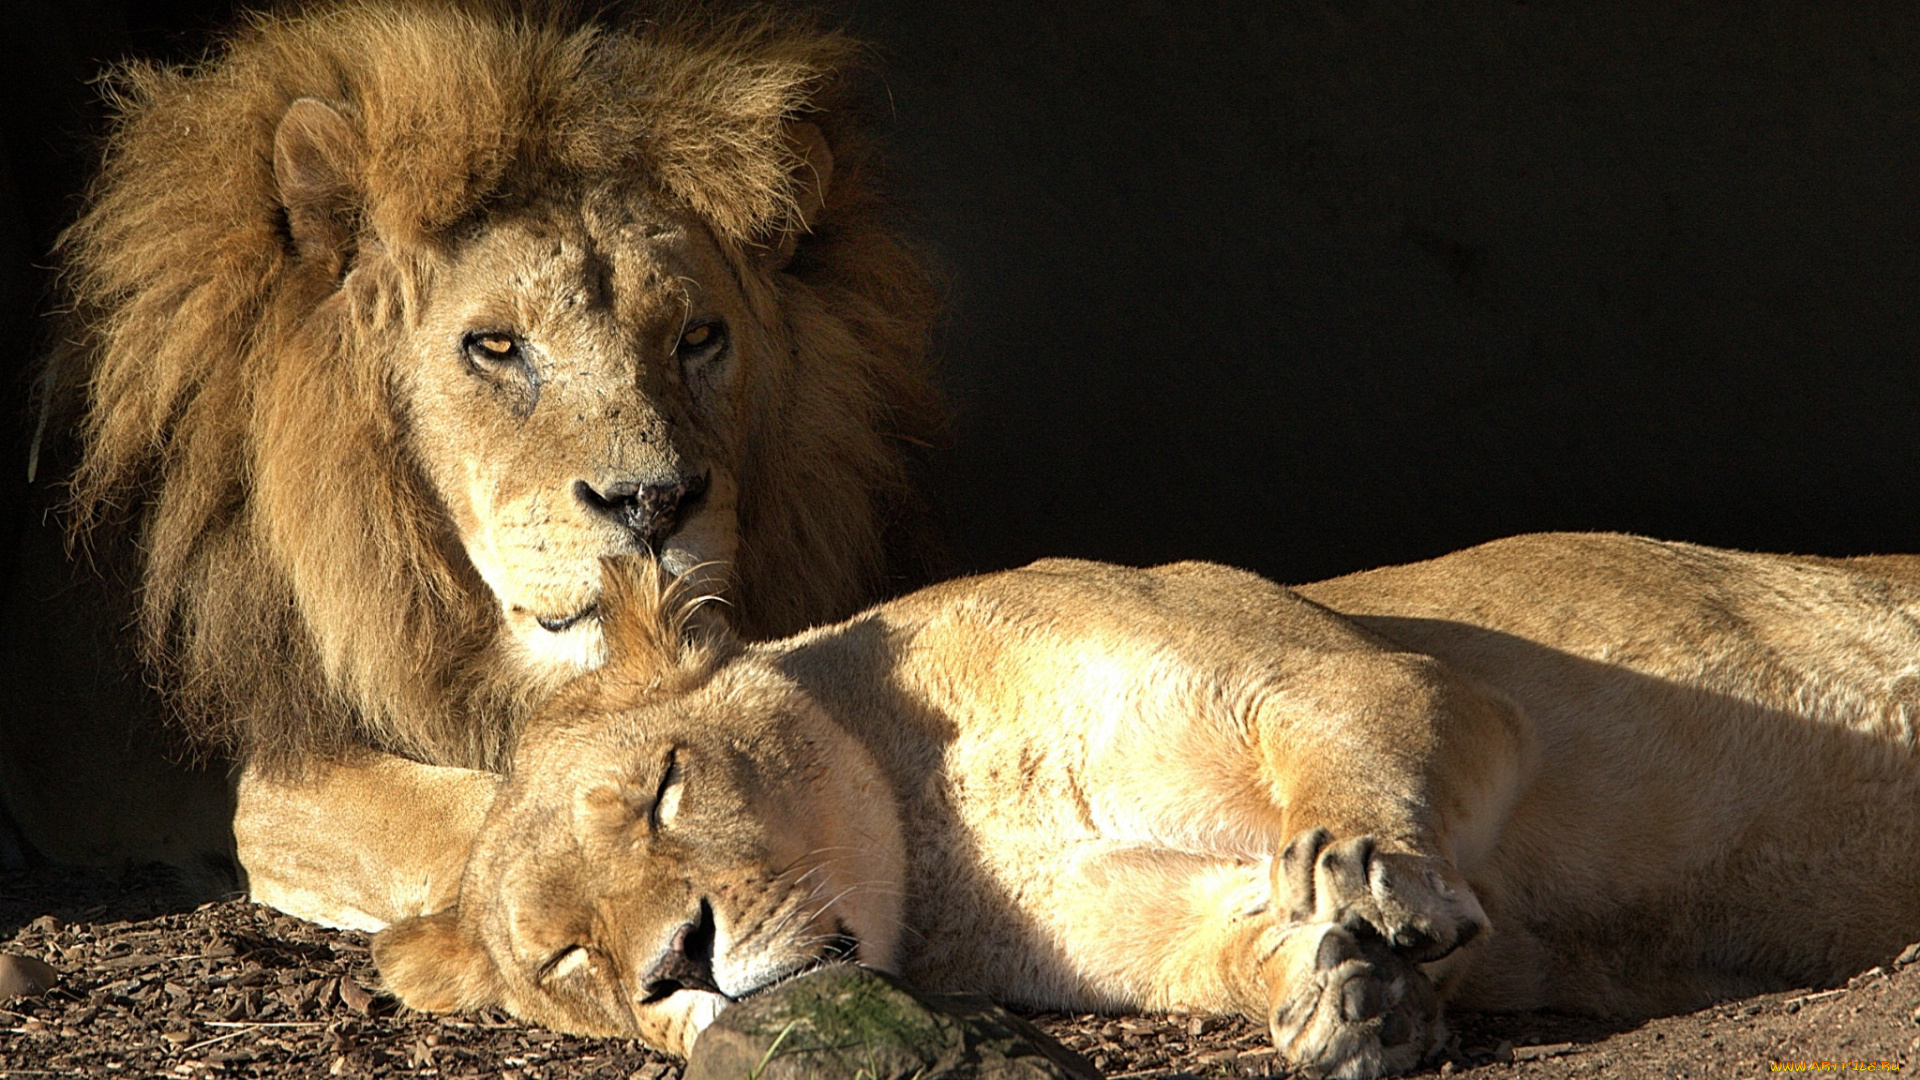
x: 493, y: 348
x: 701, y: 337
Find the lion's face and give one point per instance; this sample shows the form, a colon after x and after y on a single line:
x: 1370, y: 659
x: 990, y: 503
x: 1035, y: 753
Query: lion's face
x: 640, y: 871
x: 569, y: 387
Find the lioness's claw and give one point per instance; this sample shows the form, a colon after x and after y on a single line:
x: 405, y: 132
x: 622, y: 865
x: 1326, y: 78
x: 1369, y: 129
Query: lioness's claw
x: 1417, y: 904
x: 1293, y: 874
x: 1344, y: 1005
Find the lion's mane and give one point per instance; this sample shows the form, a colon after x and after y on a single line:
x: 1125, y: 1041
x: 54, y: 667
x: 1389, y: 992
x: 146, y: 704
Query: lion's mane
x: 299, y: 591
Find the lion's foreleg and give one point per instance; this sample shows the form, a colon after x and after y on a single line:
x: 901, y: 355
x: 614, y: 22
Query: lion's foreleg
x: 1393, y: 746
x: 360, y: 843
x: 1393, y: 778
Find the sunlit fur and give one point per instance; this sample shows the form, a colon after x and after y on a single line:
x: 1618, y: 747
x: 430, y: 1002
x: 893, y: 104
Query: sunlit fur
x: 655, y: 632
x: 300, y: 592
x: 1599, y: 774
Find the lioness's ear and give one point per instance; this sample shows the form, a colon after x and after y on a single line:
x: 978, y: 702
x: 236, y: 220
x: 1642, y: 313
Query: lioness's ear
x: 316, y: 163
x: 434, y: 964
x: 811, y: 177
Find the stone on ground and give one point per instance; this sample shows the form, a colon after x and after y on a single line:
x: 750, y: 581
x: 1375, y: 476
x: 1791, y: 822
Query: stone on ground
x: 847, y: 1023
x: 25, y: 976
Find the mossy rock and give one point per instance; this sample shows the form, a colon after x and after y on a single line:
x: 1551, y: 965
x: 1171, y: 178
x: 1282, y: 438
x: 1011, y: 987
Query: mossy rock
x: 847, y: 1023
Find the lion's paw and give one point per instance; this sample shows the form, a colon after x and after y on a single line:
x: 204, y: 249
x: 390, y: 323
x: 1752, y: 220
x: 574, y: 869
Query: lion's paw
x: 1419, y: 905
x: 1344, y: 1005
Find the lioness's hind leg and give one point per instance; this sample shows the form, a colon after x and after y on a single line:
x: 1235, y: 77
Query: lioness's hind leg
x: 1419, y: 905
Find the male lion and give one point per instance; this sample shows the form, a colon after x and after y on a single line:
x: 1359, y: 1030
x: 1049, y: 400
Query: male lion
x: 1590, y: 773
x: 391, y: 321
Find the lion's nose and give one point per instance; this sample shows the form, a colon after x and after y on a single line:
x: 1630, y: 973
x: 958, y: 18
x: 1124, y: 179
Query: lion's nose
x: 687, y: 964
x: 652, y: 511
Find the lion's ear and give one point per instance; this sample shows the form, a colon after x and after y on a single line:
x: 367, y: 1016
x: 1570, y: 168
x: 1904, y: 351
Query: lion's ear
x: 812, y: 174
x: 435, y: 964
x: 316, y: 164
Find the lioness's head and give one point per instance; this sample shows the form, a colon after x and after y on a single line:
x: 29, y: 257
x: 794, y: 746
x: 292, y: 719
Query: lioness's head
x: 396, y: 318
x: 681, y: 828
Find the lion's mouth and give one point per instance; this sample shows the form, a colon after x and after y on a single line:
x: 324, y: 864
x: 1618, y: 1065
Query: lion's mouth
x: 677, y: 562
x: 559, y: 623
x: 841, y: 946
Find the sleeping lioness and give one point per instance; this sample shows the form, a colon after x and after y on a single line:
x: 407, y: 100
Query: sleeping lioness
x: 1591, y: 773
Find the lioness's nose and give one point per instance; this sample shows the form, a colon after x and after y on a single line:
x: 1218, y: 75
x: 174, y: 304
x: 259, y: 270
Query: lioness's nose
x: 687, y: 963
x: 652, y: 511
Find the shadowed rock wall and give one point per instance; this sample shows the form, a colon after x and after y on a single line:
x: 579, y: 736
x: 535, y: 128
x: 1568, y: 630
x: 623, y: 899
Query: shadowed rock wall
x: 1313, y: 286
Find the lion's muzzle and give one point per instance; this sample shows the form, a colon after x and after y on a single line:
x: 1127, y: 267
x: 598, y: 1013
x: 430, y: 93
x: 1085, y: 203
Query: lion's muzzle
x: 651, y: 511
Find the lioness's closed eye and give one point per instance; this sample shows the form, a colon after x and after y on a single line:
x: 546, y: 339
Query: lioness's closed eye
x: 1080, y: 786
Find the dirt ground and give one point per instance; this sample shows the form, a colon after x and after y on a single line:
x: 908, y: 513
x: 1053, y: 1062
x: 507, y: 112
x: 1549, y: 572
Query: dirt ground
x: 151, y: 986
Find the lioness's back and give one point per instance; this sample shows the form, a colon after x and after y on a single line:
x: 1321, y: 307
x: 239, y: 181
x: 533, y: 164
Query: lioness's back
x: 1746, y: 721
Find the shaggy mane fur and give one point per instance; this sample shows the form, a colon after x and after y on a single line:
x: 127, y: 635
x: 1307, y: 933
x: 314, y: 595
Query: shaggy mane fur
x: 652, y: 639
x: 656, y: 644
x: 300, y: 590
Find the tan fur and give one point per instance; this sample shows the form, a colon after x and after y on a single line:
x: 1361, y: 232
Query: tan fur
x: 1592, y: 773
x: 346, y: 533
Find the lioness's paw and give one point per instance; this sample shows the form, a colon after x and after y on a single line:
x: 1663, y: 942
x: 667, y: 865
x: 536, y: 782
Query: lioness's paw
x: 1420, y: 905
x: 1344, y: 1005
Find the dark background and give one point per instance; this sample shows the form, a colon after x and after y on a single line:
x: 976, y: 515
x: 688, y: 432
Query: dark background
x: 1309, y: 287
